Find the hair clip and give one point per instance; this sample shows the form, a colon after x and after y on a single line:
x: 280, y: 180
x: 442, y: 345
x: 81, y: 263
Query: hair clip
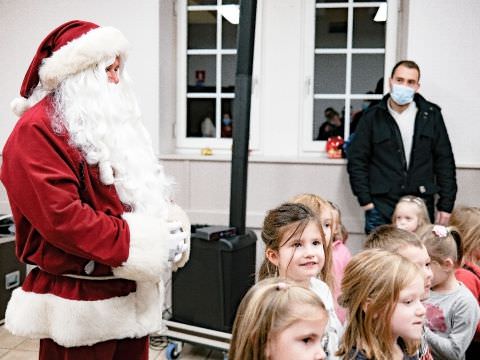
x: 440, y: 230
x: 282, y: 286
x: 418, y: 201
x: 415, y: 199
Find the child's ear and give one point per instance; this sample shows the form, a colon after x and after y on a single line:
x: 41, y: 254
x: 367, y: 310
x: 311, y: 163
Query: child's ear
x: 448, y: 263
x: 365, y: 306
x: 268, y: 350
x: 272, y: 256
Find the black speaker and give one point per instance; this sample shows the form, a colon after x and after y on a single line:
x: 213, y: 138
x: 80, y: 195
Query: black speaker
x: 12, y: 272
x: 208, y: 289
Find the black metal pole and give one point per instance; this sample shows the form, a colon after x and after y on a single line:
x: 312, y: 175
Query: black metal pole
x: 241, y: 114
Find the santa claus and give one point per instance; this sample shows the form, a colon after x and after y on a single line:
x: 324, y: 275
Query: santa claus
x: 90, y: 201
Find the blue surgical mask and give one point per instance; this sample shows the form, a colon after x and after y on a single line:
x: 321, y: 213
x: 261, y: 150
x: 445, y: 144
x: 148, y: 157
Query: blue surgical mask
x: 401, y: 94
x: 226, y: 121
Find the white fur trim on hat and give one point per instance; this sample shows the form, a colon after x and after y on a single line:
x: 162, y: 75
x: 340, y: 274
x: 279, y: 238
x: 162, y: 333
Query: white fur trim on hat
x: 149, y: 249
x: 78, y: 322
x: 96, y: 45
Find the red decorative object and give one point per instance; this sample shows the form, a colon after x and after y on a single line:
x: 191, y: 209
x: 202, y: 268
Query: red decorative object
x: 334, y: 147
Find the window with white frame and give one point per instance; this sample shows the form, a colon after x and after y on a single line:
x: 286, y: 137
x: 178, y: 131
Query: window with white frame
x: 347, y: 65
x: 207, y: 64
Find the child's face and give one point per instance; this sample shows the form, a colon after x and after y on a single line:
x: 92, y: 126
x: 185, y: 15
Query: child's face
x: 327, y: 218
x: 420, y: 257
x: 301, y: 341
x: 302, y: 257
x: 441, y: 274
x: 408, y: 315
x: 406, y: 217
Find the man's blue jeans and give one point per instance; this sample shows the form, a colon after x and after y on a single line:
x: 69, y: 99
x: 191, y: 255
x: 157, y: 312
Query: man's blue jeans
x: 374, y: 218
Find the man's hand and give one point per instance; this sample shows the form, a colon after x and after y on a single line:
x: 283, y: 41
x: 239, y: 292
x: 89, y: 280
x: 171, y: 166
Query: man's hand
x: 442, y: 218
x: 369, y: 206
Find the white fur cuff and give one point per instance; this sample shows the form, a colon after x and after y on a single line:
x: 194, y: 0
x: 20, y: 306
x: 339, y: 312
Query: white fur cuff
x: 149, y: 249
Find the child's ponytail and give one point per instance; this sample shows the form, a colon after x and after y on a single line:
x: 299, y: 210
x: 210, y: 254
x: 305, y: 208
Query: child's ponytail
x: 442, y: 243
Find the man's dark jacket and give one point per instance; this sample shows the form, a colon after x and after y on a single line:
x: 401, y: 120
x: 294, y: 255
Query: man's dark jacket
x: 378, y: 169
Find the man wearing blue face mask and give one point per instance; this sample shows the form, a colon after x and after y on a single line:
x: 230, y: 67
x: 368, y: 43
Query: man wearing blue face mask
x: 402, y: 148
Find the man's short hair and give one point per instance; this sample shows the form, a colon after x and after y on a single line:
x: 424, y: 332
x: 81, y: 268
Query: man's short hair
x: 408, y: 64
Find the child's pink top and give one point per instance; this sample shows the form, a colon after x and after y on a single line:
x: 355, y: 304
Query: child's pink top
x: 341, y: 256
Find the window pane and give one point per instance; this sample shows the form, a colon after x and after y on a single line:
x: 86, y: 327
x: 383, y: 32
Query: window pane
x: 227, y: 118
x: 367, y: 69
x: 327, y: 118
x: 331, y: 1
x: 228, y: 2
x: 229, y: 35
x: 200, y: 117
x: 358, y: 107
x: 229, y: 63
x: 331, y: 28
x: 202, y: 2
x: 369, y: 0
x: 201, y: 73
x: 202, y: 30
x: 366, y: 32
x: 330, y: 74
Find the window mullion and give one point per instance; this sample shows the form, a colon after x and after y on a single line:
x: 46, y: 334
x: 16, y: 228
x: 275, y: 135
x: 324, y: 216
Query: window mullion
x: 348, y: 76
x: 218, y: 95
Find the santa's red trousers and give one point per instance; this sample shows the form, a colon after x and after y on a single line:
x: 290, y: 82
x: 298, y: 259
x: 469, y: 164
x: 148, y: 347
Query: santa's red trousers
x: 125, y: 349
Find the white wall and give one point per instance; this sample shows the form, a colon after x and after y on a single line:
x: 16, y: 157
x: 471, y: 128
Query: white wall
x: 203, y: 188
x: 25, y: 23
x: 280, y: 79
x: 446, y: 54
x: 443, y: 38
x: 450, y: 78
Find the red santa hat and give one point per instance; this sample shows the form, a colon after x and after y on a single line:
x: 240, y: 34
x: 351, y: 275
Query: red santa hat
x: 67, y: 50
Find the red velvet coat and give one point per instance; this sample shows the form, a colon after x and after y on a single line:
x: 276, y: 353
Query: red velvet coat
x: 65, y: 219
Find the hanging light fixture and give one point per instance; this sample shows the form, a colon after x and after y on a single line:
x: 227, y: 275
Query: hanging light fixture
x: 381, y: 14
x: 231, y: 13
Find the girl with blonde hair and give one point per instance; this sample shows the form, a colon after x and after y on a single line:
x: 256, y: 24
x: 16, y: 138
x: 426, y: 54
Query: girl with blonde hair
x: 296, y: 249
x: 467, y: 222
x: 278, y: 319
x: 382, y: 292
x: 411, y: 214
x: 452, y: 310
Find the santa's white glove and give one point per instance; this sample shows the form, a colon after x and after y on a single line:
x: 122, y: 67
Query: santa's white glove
x: 156, y: 246
x: 176, y: 215
x: 177, y: 241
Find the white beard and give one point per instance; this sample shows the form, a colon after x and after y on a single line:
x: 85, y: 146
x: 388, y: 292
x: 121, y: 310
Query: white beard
x: 103, y: 121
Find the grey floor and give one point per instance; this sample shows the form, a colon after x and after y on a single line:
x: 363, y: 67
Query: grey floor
x: 19, y: 348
